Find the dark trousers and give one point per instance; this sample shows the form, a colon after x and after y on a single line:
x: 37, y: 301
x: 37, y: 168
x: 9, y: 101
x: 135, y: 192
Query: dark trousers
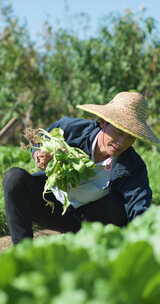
x: 24, y: 205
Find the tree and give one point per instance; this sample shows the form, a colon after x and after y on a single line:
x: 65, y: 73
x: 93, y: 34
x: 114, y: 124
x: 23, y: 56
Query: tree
x: 40, y: 87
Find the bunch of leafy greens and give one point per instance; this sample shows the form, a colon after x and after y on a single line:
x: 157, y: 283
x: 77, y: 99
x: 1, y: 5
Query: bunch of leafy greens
x: 69, y: 165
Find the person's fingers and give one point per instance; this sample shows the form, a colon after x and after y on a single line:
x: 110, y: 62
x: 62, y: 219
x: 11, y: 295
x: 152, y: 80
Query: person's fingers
x: 42, y: 158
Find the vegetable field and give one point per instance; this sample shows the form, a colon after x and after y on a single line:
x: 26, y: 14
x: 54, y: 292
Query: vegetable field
x: 98, y: 265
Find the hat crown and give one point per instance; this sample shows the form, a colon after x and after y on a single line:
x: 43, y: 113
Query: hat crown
x: 132, y: 101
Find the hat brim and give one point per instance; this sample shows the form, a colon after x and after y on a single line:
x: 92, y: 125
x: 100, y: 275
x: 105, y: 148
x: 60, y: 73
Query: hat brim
x: 149, y: 137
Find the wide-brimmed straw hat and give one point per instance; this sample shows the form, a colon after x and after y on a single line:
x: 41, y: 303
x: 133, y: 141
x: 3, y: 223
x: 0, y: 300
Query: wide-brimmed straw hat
x: 127, y: 111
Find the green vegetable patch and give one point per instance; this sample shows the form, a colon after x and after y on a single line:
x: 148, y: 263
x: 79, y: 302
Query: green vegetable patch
x: 98, y: 265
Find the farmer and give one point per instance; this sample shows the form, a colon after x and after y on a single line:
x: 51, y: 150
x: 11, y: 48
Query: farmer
x: 118, y: 192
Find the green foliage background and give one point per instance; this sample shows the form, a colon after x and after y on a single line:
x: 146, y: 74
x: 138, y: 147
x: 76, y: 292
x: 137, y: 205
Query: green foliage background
x: 40, y: 85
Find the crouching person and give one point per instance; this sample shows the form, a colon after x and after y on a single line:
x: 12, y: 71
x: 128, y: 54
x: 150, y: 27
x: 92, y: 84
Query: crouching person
x: 117, y: 193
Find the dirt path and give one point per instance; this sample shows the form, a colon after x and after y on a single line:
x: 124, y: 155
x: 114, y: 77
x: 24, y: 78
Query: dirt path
x: 5, y: 241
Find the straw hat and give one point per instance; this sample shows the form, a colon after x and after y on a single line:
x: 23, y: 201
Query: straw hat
x: 128, y: 112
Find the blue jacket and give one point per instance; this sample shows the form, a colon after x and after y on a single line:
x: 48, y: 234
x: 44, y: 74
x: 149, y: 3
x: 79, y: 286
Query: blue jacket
x: 129, y: 175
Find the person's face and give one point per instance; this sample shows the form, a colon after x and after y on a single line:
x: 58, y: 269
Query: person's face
x: 114, y: 141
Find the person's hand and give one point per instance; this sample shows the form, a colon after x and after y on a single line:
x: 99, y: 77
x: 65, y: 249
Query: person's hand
x: 41, y: 159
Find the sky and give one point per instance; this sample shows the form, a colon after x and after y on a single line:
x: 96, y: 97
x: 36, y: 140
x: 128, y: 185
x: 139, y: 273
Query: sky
x: 35, y: 12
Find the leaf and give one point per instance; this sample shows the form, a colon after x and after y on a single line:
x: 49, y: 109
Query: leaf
x: 57, y: 132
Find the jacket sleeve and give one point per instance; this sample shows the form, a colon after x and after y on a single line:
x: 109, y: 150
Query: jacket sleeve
x: 136, y: 192
x: 61, y: 123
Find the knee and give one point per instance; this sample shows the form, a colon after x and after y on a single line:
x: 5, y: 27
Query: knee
x: 14, y: 178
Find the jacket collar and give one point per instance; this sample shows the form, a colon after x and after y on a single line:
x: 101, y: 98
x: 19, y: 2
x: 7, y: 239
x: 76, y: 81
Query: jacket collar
x: 124, y: 165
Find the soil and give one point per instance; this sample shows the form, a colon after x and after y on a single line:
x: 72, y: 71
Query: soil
x: 5, y: 241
